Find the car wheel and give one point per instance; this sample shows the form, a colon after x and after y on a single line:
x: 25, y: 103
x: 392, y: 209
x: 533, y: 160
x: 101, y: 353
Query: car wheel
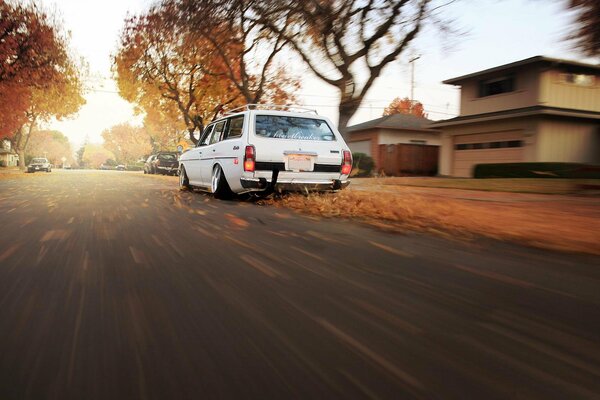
x: 218, y: 184
x: 145, y: 171
x: 184, y: 182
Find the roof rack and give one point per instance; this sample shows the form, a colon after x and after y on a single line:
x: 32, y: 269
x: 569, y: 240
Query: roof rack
x: 283, y: 107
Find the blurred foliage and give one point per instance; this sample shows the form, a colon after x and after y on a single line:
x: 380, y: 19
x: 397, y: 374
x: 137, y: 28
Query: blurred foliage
x: 128, y: 143
x: 95, y: 155
x: 586, y: 29
x: 362, y: 164
x: 182, y: 74
x: 405, y: 106
x: 54, y: 145
x: 39, y: 78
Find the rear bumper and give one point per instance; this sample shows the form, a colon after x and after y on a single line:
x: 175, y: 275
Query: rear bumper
x: 167, y: 170
x: 293, y: 185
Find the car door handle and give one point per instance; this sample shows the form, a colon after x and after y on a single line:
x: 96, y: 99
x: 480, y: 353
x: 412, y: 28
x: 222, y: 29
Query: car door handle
x: 214, y: 150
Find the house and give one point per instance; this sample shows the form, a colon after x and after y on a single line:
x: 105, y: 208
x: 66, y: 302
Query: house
x: 539, y: 109
x: 398, y: 143
x: 8, y: 158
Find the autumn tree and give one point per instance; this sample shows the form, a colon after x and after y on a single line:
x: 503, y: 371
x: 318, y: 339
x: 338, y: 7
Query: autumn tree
x: 95, y: 155
x: 159, y: 63
x: 32, y: 59
x: 38, y: 78
x: 128, y: 143
x: 246, y: 52
x: 348, y: 43
x: 54, y: 145
x: 586, y: 32
x: 405, y: 106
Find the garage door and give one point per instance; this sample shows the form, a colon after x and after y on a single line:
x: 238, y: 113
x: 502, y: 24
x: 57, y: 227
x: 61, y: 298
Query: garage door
x: 486, y: 148
x: 363, y: 146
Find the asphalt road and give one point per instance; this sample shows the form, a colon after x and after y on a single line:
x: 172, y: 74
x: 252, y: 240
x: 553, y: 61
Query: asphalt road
x: 117, y: 286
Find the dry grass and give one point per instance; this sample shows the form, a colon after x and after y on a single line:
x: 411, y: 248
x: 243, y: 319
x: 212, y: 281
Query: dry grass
x: 542, y: 225
x: 544, y: 186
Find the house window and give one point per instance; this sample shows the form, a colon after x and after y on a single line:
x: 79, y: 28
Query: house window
x: 578, y: 79
x: 489, y: 145
x: 490, y: 87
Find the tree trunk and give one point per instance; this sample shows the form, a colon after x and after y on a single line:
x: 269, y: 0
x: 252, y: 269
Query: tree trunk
x: 21, y: 154
x: 346, y: 110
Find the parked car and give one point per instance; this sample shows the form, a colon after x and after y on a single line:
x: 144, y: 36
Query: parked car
x: 121, y: 167
x: 106, y: 167
x: 39, y: 164
x: 261, y: 149
x: 148, y: 166
x: 166, y: 163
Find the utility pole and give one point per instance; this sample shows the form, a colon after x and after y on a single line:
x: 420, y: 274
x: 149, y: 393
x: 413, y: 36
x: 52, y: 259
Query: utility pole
x: 412, y: 78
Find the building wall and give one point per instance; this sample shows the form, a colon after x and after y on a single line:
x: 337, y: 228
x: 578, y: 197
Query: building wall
x: 373, y: 136
x: 568, y: 141
x: 391, y: 136
x: 524, y: 95
x: 379, y: 136
x: 517, y: 129
x: 555, y: 92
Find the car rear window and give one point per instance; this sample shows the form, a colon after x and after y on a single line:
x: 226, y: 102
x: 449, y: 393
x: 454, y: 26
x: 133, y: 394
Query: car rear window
x: 38, y: 161
x: 167, y: 157
x: 297, y: 128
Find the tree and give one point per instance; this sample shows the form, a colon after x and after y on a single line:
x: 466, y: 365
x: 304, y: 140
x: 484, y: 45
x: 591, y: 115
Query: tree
x: 94, y: 155
x: 32, y: 53
x: 405, y: 106
x: 200, y: 57
x: 160, y: 63
x: 128, y: 143
x: 60, y: 99
x: 586, y: 31
x: 340, y: 40
x: 245, y: 51
x: 54, y: 145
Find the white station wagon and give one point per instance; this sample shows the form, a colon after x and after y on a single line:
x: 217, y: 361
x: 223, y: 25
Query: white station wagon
x: 261, y: 149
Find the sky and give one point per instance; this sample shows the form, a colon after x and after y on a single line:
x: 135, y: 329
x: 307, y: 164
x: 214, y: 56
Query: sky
x: 492, y: 33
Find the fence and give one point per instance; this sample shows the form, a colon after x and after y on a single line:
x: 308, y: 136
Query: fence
x: 408, y: 159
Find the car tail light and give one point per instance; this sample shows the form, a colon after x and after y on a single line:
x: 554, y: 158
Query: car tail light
x: 347, y: 163
x: 249, y: 159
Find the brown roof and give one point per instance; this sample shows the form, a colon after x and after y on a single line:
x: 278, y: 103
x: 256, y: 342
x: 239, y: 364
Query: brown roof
x: 532, y: 60
x: 517, y: 113
x: 395, y: 121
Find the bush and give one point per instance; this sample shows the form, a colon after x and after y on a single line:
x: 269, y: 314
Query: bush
x: 537, y: 170
x: 134, y: 167
x: 2, y: 163
x: 362, y: 164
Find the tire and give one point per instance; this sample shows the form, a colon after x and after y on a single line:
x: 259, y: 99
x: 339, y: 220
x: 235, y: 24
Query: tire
x: 218, y: 184
x: 145, y: 171
x: 184, y: 182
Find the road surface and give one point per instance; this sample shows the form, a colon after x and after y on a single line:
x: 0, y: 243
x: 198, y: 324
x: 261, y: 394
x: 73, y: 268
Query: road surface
x: 117, y: 286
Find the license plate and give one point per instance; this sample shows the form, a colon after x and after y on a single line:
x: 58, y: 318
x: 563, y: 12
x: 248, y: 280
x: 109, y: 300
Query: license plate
x: 299, y: 162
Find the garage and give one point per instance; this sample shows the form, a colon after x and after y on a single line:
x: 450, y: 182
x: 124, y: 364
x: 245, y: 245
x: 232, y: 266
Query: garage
x: 486, y: 148
x: 362, y: 146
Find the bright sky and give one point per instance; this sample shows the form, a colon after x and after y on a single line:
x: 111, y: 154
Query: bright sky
x: 497, y: 32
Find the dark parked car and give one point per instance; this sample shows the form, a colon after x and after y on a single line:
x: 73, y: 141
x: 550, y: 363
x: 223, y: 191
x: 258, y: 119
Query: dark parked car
x: 39, y: 164
x: 148, y: 166
x: 164, y: 162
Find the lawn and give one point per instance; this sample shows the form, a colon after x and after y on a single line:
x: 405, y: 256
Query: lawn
x: 544, y: 186
x: 558, y: 222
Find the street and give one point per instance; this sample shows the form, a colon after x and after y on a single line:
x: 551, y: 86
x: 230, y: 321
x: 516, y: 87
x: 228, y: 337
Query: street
x: 116, y: 285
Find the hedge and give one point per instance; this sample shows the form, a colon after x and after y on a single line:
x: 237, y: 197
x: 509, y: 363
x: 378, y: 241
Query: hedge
x: 537, y: 170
